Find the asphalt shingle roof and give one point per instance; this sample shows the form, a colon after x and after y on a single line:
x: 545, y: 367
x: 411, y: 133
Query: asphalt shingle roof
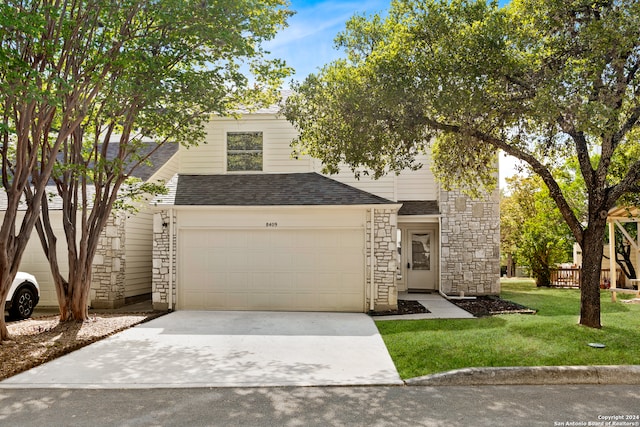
x: 295, y: 189
x: 156, y: 160
x: 419, y: 207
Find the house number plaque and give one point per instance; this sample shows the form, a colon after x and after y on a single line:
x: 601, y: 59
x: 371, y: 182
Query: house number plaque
x: 272, y: 225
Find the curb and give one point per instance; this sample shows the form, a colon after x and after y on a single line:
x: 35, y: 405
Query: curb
x: 536, y: 375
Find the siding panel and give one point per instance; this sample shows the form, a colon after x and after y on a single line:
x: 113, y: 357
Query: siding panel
x: 278, y: 133
x: 139, y: 246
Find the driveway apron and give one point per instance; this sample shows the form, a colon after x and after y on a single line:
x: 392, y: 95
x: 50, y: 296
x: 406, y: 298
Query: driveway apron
x: 226, y: 349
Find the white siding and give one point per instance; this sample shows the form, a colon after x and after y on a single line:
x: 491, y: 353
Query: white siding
x: 417, y: 185
x: 139, y: 246
x: 167, y: 170
x: 409, y: 185
x: 34, y: 261
x: 383, y: 187
x: 210, y: 157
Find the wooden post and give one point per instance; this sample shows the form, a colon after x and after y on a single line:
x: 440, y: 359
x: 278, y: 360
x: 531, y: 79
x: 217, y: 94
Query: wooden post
x: 612, y: 259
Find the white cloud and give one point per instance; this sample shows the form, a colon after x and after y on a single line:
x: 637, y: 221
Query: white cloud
x: 307, y: 43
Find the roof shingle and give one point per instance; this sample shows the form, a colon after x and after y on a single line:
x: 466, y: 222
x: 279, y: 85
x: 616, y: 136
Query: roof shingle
x: 419, y: 207
x: 294, y: 189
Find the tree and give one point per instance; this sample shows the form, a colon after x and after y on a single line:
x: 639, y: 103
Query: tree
x: 510, y: 231
x: 76, y: 74
x: 544, y: 239
x: 541, y: 80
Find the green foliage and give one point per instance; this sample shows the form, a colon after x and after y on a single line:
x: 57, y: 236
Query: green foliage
x: 91, y: 89
x: 551, y: 337
x: 542, y: 80
x: 534, y: 228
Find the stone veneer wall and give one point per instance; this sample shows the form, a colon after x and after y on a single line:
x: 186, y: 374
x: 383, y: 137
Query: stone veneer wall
x: 386, y: 290
x: 160, y: 274
x: 470, y: 244
x: 109, y: 264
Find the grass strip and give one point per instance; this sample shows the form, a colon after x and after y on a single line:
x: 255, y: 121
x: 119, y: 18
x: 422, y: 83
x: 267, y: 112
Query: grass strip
x: 552, y: 337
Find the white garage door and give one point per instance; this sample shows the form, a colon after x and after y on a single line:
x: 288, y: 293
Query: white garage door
x: 300, y: 270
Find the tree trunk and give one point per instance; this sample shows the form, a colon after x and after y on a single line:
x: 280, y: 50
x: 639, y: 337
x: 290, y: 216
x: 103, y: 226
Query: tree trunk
x: 74, y: 303
x: 510, y: 265
x: 542, y: 276
x: 4, y: 332
x: 590, y: 275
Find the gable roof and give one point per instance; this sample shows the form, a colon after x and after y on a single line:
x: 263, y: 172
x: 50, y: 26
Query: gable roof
x: 274, y: 108
x: 144, y: 171
x: 156, y: 160
x: 292, y: 189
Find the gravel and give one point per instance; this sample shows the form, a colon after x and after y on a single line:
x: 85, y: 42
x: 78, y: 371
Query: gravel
x: 37, y: 340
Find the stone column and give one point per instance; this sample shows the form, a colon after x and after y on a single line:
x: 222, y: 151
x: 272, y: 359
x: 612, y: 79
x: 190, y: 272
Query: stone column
x: 470, y: 244
x: 109, y: 265
x: 161, y: 260
x: 385, y: 235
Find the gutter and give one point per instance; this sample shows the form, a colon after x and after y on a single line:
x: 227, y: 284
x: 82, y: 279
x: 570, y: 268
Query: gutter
x: 171, y: 260
x: 373, y: 262
x: 445, y: 296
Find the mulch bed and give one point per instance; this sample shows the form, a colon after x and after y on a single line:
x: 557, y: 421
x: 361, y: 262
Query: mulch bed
x: 480, y: 307
x: 404, y: 307
x: 491, y: 305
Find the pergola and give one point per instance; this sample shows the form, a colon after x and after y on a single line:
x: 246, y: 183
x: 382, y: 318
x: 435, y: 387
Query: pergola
x: 616, y: 217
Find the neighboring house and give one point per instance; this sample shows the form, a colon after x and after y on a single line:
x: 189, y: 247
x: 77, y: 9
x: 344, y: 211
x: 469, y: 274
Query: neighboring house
x: 123, y: 262
x: 247, y: 227
x: 616, y: 217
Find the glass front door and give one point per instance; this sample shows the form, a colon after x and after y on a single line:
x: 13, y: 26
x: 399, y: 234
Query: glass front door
x: 422, y: 260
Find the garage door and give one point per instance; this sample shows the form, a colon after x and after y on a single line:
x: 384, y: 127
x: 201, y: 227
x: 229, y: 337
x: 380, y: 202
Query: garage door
x: 299, y: 270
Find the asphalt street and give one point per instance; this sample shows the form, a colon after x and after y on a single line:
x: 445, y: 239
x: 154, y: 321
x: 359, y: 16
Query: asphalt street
x: 586, y: 405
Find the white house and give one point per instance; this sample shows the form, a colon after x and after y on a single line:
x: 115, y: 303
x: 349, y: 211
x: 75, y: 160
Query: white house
x: 247, y: 227
x: 122, y: 264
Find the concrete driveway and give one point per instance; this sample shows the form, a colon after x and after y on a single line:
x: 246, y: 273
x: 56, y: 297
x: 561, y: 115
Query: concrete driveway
x: 226, y: 349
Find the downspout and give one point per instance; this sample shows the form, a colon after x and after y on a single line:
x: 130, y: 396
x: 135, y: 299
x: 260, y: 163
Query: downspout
x: 373, y: 262
x: 171, y: 260
x: 440, y: 258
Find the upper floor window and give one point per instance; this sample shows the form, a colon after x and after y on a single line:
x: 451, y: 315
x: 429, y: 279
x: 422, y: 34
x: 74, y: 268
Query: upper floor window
x: 244, y: 151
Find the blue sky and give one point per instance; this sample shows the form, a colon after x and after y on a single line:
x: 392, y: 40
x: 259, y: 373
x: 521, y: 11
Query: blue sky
x: 307, y: 43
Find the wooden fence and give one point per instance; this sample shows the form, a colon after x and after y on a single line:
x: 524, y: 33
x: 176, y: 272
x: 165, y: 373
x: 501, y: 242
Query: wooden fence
x: 570, y: 277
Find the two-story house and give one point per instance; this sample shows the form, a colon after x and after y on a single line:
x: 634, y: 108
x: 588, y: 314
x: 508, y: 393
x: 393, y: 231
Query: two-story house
x: 246, y: 226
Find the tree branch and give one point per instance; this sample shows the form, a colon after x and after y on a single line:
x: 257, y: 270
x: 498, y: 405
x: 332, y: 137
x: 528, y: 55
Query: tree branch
x: 536, y: 165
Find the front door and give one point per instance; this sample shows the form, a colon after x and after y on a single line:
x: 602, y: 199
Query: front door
x: 422, y: 260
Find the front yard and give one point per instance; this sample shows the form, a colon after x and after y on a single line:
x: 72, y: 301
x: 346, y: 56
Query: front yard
x: 549, y: 338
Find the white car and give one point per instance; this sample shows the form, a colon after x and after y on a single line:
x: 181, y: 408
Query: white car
x: 23, y: 296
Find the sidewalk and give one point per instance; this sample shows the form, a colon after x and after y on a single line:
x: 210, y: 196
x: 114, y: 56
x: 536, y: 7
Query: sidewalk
x: 438, y: 306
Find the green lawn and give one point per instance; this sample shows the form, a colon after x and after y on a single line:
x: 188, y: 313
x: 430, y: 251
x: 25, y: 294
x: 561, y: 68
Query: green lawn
x: 549, y: 338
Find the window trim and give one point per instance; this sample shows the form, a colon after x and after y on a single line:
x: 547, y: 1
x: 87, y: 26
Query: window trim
x: 227, y: 151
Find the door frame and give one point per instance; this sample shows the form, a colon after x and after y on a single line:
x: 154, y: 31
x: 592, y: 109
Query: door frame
x: 404, y: 230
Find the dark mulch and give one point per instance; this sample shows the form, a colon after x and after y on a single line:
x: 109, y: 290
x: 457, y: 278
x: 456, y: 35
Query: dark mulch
x: 491, y: 305
x: 404, y: 307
